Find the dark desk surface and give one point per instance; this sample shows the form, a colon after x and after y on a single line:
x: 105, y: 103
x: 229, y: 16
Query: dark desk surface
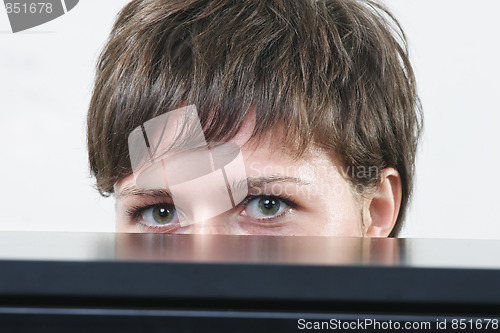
x: 284, y: 275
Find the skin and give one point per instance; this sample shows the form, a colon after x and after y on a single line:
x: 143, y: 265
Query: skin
x: 311, y: 193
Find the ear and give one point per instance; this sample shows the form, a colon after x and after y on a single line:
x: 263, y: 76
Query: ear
x: 382, y: 207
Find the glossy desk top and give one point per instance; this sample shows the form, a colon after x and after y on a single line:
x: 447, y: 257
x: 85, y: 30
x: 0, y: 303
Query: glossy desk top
x: 249, y: 268
x: 322, y: 251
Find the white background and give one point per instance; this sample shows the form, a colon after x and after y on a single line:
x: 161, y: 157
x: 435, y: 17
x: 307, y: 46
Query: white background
x: 46, y: 76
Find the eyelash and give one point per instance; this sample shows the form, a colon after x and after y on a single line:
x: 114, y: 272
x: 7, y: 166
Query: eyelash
x: 135, y: 212
x: 288, y: 201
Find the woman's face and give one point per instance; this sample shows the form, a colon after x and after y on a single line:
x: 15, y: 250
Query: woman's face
x: 286, y: 196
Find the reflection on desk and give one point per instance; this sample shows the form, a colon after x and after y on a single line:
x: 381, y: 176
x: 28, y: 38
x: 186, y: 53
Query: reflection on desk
x: 126, y: 281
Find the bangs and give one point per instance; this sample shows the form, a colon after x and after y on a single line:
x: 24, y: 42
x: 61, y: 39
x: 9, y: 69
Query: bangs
x: 268, y: 63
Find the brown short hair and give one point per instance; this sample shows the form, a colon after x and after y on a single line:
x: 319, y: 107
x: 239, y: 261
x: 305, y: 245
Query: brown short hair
x: 335, y: 73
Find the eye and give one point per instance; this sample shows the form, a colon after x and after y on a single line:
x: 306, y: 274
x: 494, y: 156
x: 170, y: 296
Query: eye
x: 160, y: 215
x: 265, y: 207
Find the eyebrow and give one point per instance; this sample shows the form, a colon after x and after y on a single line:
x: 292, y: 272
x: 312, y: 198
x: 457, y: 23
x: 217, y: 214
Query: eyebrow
x: 133, y: 190
x: 251, y: 182
x: 256, y: 182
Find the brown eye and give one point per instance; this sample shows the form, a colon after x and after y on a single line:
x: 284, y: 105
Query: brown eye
x: 160, y: 214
